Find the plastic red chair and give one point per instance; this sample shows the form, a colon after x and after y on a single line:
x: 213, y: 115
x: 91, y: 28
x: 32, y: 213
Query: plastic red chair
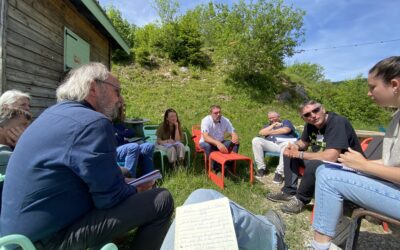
x: 196, y: 135
x: 365, y: 142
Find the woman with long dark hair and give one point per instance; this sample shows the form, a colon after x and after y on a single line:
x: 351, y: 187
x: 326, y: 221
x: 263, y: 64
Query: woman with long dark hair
x: 169, y: 138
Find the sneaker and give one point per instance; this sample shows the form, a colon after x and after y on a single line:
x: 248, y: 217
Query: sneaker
x: 278, y: 178
x: 279, y: 197
x: 332, y: 246
x: 294, y: 206
x: 260, y: 173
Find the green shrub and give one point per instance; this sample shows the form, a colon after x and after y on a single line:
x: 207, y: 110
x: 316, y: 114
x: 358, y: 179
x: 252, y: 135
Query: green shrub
x: 349, y: 98
x: 144, y: 57
x: 127, y: 32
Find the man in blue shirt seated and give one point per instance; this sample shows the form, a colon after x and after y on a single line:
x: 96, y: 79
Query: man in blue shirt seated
x: 133, y: 155
x: 269, y: 141
x: 64, y: 189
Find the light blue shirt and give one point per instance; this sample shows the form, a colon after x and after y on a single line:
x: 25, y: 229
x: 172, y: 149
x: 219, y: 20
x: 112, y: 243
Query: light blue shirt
x: 216, y: 130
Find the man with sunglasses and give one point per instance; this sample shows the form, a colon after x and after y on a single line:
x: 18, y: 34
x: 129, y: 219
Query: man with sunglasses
x: 327, y: 135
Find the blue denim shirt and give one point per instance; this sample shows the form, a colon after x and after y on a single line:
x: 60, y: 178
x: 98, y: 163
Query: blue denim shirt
x: 63, y: 167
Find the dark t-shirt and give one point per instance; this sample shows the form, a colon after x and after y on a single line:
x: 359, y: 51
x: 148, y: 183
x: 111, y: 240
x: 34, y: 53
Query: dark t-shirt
x: 285, y: 123
x: 337, y: 133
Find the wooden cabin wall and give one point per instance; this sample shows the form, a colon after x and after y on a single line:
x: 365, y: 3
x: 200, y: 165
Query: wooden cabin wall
x: 34, y: 46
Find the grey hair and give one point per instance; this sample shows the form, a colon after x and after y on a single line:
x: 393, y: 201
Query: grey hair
x: 7, y: 114
x: 308, y: 102
x: 10, y: 97
x: 76, y: 85
x: 274, y: 113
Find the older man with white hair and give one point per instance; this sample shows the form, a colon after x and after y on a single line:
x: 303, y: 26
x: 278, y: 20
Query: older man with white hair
x: 64, y: 189
x: 15, y: 99
x: 10, y: 119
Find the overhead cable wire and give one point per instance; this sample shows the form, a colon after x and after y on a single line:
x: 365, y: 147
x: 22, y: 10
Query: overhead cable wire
x: 349, y: 45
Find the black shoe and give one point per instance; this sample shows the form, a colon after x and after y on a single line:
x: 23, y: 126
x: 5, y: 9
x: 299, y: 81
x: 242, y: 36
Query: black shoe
x: 278, y: 178
x: 294, y: 206
x: 260, y: 173
x: 279, y: 197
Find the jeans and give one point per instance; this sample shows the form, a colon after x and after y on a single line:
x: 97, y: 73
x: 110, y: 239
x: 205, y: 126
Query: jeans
x: 259, y: 145
x: 134, y: 155
x: 252, y: 231
x: 335, y: 185
x: 149, y: 212
x: 208, y: 148
x: 305, y: 192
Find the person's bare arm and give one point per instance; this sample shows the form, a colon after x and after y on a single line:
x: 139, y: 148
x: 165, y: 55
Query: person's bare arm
x: 234, y: 138
x: 376, y: 168
x: 292, y: 151
x: 209, y: 139
x: 330, y: 154
x: 177, y: 132
x: 280, y: 131
x: 265, y: 131
x: 300, y: 145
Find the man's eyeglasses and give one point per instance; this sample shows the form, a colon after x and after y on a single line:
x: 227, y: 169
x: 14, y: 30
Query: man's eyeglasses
x: 117, y: 88
x: 314, y: 111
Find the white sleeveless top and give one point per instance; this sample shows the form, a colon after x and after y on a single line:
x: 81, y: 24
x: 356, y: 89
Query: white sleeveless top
x: 391, y: 142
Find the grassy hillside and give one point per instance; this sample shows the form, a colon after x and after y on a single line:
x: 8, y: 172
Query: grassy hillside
x: 148, y: 93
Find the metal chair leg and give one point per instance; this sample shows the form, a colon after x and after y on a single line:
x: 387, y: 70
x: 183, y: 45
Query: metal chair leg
x: 351, y: 243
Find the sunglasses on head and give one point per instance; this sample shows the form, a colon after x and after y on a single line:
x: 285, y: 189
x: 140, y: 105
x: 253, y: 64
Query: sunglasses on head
x: 314, y: 111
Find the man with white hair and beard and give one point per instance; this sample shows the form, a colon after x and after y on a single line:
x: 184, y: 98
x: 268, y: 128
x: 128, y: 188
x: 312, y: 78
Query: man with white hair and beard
x: 64, y: 189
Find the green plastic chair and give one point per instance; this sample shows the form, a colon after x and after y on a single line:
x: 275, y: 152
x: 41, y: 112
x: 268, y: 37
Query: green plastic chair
x: 16, y: 239
x: 26, y: 244
x: 150, y: 131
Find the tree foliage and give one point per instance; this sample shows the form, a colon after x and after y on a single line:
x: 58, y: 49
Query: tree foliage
x: 148, y: 45
x: 310, y: 72
x: 253, y: 38
x: 167, y: 10
x: 127, y: 32
x: 349, y: 98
